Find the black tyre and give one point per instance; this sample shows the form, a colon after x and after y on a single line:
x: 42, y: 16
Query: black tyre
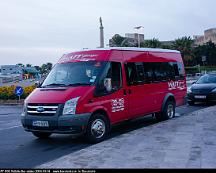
x: 42, y: 135
x: 158, y: 116
x: 209, y: 103
x: 191, y: 103
x: 167, y: 113
x: 97, y: 129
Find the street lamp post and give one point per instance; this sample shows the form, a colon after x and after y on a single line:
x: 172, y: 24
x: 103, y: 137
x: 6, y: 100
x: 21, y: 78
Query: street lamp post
x: 137, y: 29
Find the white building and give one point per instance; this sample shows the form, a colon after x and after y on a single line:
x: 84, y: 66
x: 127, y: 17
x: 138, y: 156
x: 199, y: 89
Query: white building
x: 10, y: 69
x: 135, y: 37
x: 10, y: 73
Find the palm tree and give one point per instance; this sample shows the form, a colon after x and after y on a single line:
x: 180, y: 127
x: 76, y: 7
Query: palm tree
x: 153, y: 43
x: 185, y: 46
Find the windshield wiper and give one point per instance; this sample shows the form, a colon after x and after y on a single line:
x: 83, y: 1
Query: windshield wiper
x: 79, y: 84
x: 54, y: 84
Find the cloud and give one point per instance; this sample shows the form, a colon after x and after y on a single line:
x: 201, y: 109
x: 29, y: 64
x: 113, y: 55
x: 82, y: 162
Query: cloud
x: 47, y: 24
x: 34, y: 55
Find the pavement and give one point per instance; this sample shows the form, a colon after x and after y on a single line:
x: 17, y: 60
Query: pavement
x: 187, y: 141
x: 23, y: 83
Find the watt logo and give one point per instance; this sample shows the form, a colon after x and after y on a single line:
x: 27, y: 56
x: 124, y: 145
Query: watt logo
x: 176, y: 85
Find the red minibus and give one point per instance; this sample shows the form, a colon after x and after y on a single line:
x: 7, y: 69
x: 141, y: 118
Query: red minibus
x: 88, y: 91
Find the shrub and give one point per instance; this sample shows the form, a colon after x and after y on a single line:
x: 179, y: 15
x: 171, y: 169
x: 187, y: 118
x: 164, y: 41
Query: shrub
x: 8, y: 92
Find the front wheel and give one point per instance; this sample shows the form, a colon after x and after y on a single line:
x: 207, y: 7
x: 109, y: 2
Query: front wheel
x: 42, y: 135
x: 97, y: 129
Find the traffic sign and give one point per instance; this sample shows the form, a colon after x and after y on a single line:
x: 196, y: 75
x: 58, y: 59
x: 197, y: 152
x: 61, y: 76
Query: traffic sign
x: 19, y: 91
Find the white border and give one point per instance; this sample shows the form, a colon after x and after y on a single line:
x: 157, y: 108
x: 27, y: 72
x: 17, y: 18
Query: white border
x: 132, y: 49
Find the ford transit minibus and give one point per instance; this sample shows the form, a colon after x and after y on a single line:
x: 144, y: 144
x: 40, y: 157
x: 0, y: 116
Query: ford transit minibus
x: 89, y: 91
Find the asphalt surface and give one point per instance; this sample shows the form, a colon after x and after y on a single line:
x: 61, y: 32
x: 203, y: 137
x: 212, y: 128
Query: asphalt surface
x: 20, y: 149
x: 23, y: 83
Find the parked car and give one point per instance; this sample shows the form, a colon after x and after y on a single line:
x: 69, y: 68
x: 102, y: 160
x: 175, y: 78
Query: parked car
x: 204, y: 90
x: 89, y: 91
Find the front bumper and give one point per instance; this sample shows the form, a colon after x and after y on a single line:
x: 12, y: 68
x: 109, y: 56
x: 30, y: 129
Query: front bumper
x: 211, y: 97
x: 64, y: 124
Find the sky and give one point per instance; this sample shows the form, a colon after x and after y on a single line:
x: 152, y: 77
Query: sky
x: 40, y: 31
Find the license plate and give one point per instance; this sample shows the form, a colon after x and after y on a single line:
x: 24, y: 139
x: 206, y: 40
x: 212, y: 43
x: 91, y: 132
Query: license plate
x: 200, y: 97
x: 40, y: 123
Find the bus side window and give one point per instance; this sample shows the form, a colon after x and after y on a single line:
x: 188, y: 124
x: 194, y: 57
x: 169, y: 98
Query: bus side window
x: 171, y: 72
x: 131, y: 73
x: 148, y: 72
x: 140, y: 72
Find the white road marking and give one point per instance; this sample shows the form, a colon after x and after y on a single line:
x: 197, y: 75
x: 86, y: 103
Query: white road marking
x: 7, y: 115
x: 10, y: 127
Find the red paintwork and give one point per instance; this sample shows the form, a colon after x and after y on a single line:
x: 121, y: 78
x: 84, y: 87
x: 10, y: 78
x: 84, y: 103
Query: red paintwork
x: 40, y: 95
x: 144, y: 99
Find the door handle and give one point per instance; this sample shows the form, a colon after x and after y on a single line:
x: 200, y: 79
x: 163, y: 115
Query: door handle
x: 125, y: 92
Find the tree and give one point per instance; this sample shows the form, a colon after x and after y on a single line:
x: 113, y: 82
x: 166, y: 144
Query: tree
x: 119, y: 41
x: 37, y: 68
x: 185, y: 46
x: 116, y: 40
x: 211, y: 53
x: 28, y: 65
x: 208, y: 50
x: 21, y: 65
x: 45, y: 68
x: 153, y: 43
x: 49, y: 66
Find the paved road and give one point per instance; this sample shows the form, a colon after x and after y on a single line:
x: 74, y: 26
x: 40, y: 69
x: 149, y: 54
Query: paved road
x: 19, y: 149
x: 22, y: 83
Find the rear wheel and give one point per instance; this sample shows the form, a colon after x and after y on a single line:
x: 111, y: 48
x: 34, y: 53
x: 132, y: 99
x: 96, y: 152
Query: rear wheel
x: 168, y: 111
x: 97, y: 129
x: 42, y: 135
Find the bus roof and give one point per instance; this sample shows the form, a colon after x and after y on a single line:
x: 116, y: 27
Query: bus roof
x: 136, y: 49
x: 104, y: 54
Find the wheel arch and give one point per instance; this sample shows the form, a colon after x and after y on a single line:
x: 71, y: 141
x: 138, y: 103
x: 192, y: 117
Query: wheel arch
x: 103, y: 112
x: 168, y: 97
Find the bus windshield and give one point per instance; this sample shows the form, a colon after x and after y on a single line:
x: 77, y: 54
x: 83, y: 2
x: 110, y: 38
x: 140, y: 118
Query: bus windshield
x: 74, y: 74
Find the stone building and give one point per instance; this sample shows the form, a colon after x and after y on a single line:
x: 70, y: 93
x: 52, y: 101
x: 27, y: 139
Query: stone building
x: 209, y: 35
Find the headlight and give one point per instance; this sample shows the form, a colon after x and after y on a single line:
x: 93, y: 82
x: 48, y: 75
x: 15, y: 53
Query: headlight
x: 214, y: 90
x: 70, y: 106
x: 24, y: 109
x: 189, y: 90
